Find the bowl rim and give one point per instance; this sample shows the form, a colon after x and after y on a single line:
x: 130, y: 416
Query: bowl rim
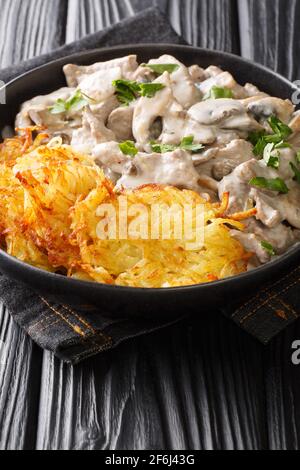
x: 290, y: 255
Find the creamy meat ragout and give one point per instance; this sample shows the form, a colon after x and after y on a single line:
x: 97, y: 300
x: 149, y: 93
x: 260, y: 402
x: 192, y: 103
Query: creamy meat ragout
x: 189, y: 127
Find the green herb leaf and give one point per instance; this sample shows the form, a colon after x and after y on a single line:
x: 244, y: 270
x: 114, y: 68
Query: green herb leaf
x: 187, y: 144
x: 261, y: 139
x: 149, y: 90
x: 298, y: 157
x: 217, y: 93
x: 296, y: 172
x: 268, y: 248
x: 159, y: 69
x: 271, y: 160
x: 278, y: 127
x: 162, y: 148
x: 260, y: 147
x: 75, y: 103
x: 276, y: 184
x: 283, y: 145
x: 254, y: 137
x: 59, y: 107
x: 127, y: 90
x: 128, y: 148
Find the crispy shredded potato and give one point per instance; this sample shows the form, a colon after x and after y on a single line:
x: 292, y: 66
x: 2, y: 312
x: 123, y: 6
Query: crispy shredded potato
x: 49, y: 218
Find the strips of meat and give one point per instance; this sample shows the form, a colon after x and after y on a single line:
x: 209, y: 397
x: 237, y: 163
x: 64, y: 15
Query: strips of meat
x: 75, y: 74
x: 184, y: 90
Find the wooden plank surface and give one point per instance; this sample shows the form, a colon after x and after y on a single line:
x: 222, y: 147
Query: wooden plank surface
x: 192, y: 387
x: 270, y: 34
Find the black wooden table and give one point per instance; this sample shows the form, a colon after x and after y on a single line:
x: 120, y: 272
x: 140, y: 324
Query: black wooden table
x: 193, y: 387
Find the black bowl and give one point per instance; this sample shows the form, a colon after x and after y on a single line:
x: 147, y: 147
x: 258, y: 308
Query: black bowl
x: 123, y: 301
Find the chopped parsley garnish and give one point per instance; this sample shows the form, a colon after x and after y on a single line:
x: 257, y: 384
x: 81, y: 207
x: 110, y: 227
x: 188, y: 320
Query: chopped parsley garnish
x: 254, y: 137
x: 268, y: 248
x: 296, y: 172
x: 279, y: 128
x: 150, y: 89
x: 261, y: 139
x: 298, y: 157
x: 128, y: 148
x: 269, y: 157
x: 187, y: 144
x: 75, y: 103
x: 128, y: 91
x: 162, y: 148
x: 218, y: 92
x: 159, y: 69
x: 276, y: 184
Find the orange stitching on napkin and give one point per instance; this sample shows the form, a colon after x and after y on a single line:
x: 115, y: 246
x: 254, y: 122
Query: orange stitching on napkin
x: 76, y: 329
x: 274, y: 296
x: 87, y: 325
x: 281, y: 314
x: 289, y: 307
x: 97, y: 347
x: 257, y: 297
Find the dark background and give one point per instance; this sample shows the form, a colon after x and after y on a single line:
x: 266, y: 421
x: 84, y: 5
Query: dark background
x: 203, y: 385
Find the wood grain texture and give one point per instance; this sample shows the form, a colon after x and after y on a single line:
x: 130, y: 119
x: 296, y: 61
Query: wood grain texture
x: 270, y: 34
x: 188, y: 389
x: 217, y: 19
x: 30, y: 28
x: 282, y: 384
x: 196, y: 386
x: 20, y: 370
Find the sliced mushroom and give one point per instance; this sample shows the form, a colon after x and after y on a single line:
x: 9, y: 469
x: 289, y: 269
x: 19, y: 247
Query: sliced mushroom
x: 120, y: 123
x: 224, y: 114
x: 265, y: 107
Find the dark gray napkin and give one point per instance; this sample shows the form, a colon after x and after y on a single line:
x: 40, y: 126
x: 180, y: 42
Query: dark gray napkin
x: 150, y: 26
x: 75, y: 335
